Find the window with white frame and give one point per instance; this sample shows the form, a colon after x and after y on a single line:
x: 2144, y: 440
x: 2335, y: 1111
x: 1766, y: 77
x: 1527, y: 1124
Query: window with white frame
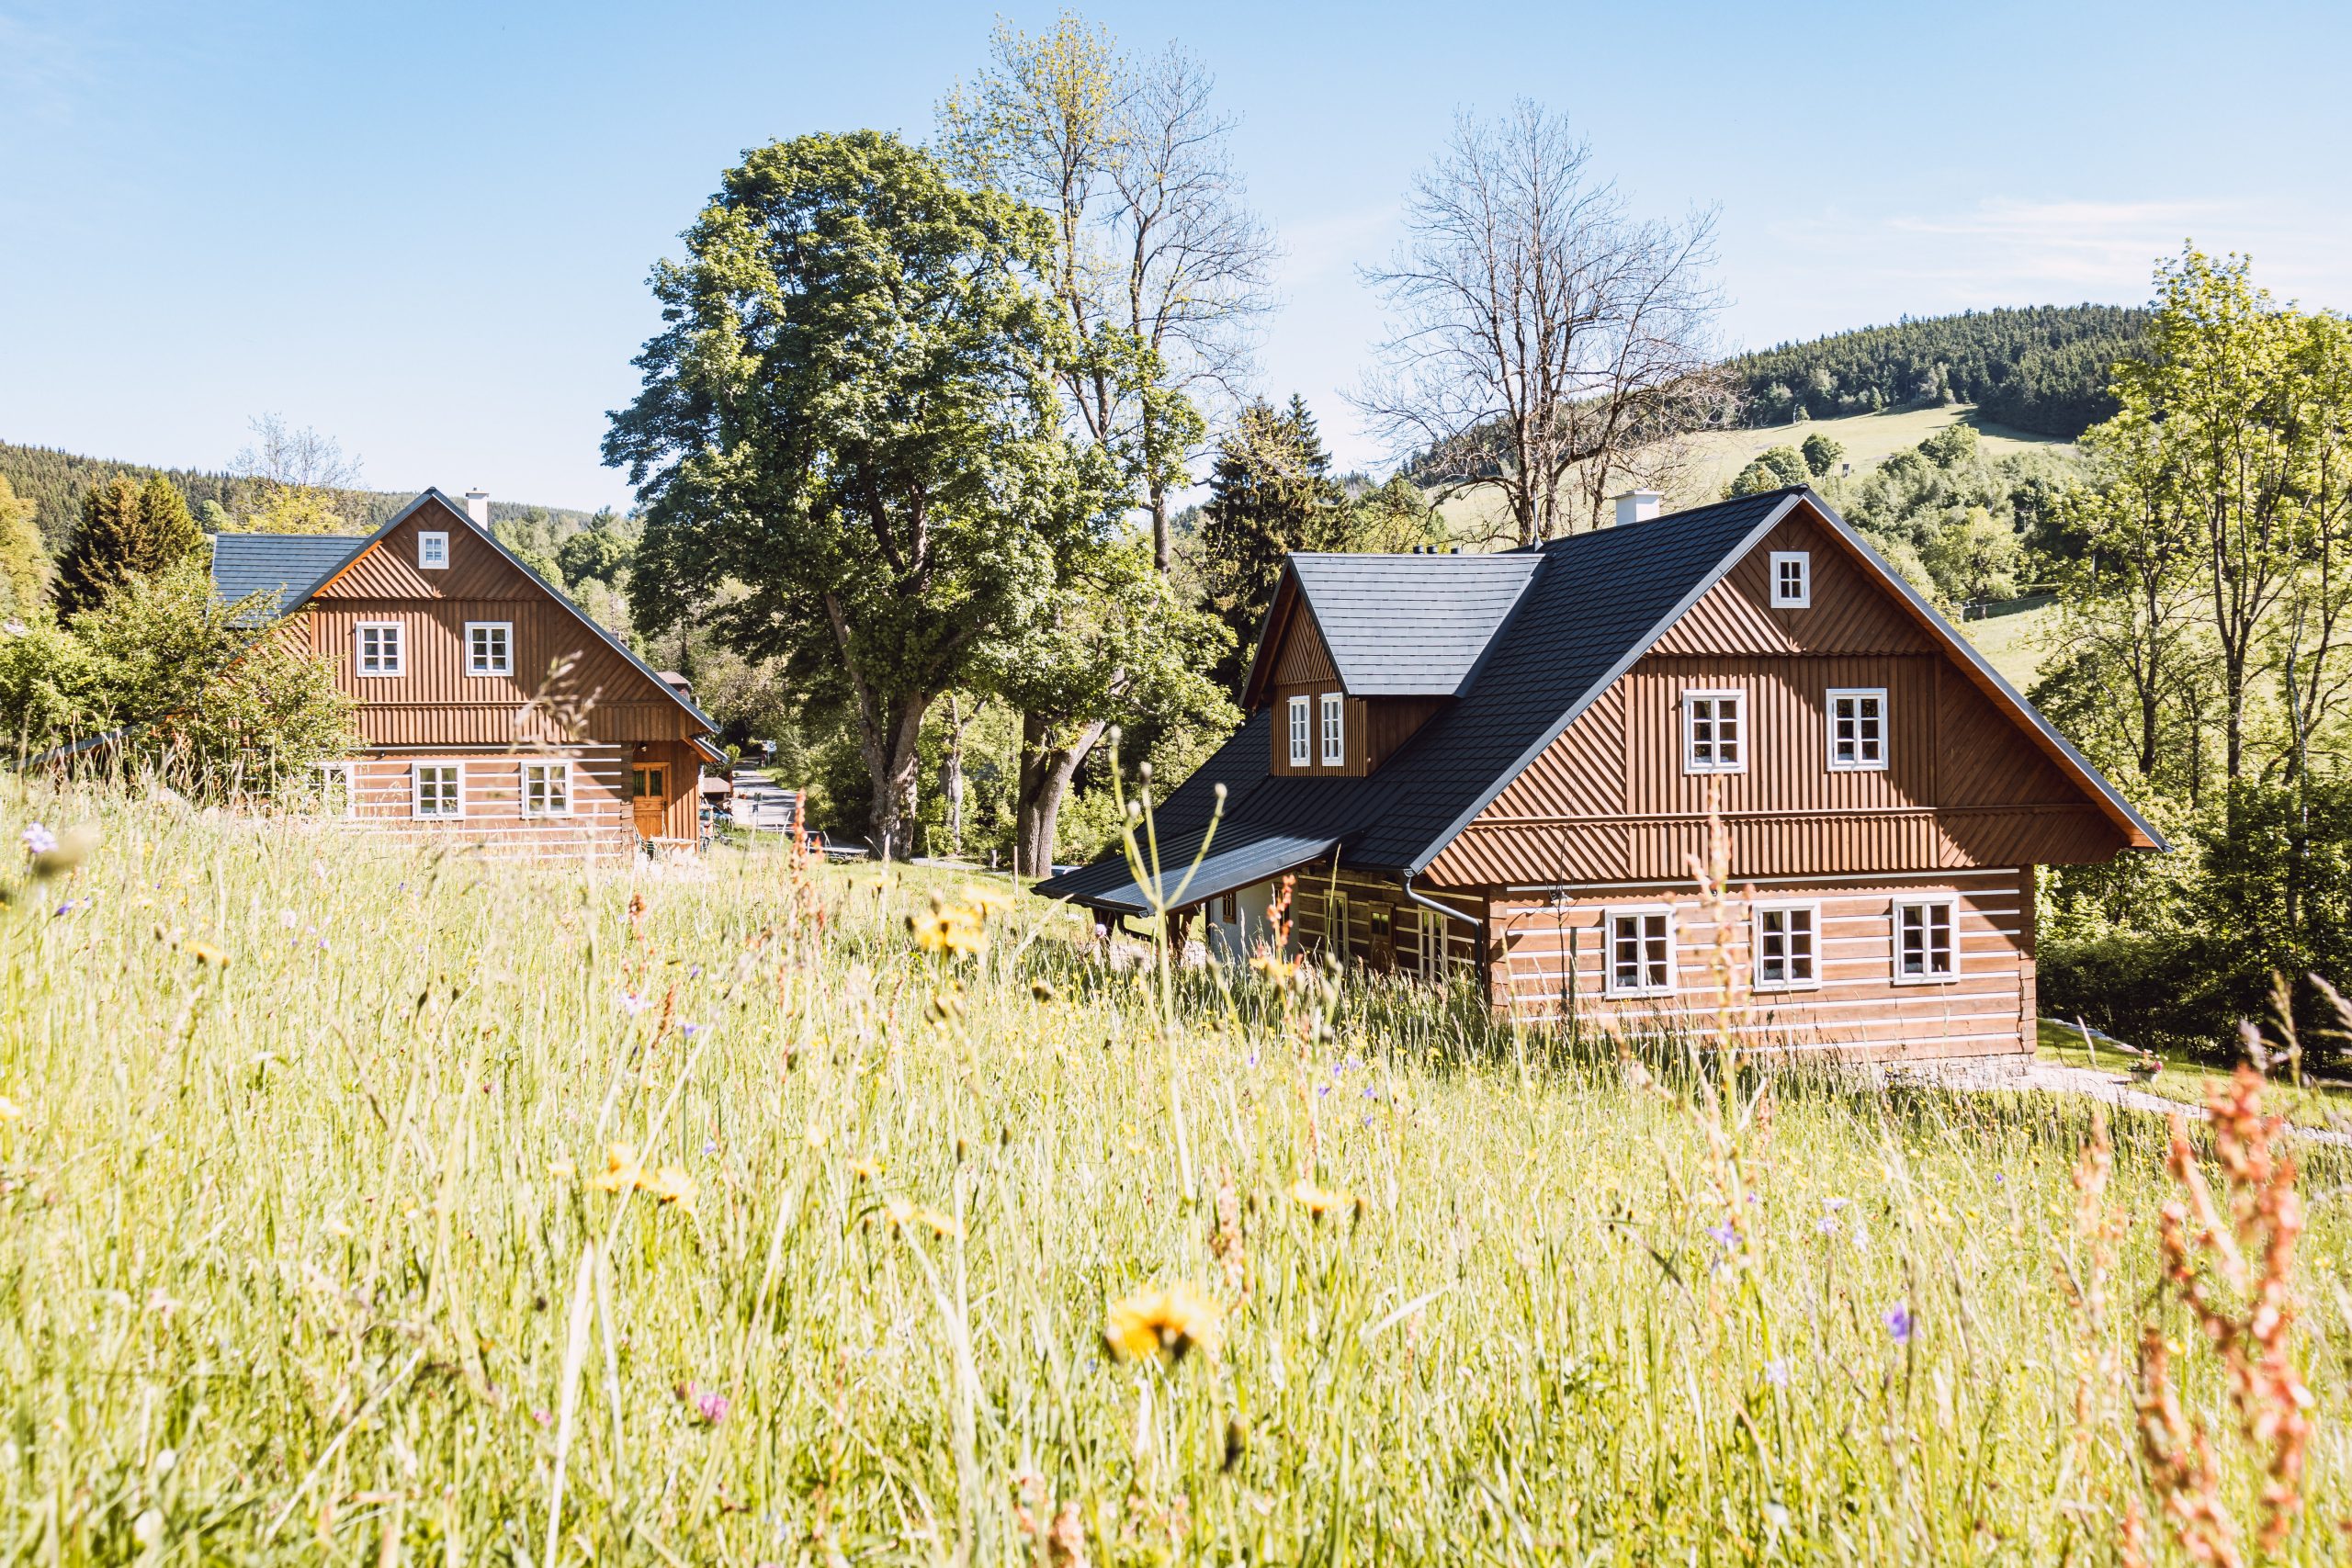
x: 490, y: 648
x: 1787, y: 947
x: 1640, y: 953
x: 382, y: 648
x: 1301, y: 740
x: 433, y: 551
x: 1335, y: 739
x: 1335, y: 925
x: 1925, y: 939
x: 546, y: 789
x: 439, y: 789
x: 1858, y: 729
x: 338, y: 791
x: 1791, y: 579
x: 1420, y: 944
x: 1714, y: 732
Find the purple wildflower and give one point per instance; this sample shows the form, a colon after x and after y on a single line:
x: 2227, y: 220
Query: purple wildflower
x: 1776, y: 1372
x: 1901, y: 1326
x: 39, y: 840
x: 631, y: 1003
x: 690, y: 1029
x: 1726, y: 1234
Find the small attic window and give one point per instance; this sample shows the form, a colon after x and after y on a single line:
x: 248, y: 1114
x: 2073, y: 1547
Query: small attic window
x: 1791, y: 579
x: 433, y: 551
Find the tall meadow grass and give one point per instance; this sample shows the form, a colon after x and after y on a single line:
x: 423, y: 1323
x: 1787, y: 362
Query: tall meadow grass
x: 370, y: 1205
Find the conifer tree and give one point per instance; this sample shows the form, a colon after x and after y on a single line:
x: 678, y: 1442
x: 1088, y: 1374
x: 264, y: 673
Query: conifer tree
x: 23, y: 563
x: 1271, y: 492
x: 126, y: 530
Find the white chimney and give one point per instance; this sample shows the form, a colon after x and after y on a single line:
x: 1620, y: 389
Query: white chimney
x: 478, y: 508
x: 1637, y: 506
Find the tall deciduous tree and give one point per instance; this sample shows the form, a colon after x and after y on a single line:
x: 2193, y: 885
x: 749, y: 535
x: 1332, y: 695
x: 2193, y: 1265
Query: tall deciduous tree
x: 1117, y: 647
x: 1270, y: 492
x: 1160, y: 269
x: 852, y: 415
x: 299, y: 479
x: 128, y: 530
x: 1546, y: 345
x: 24, y: 565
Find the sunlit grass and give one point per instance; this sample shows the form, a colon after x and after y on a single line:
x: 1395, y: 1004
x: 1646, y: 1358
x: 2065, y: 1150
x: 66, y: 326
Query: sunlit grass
x: 351, y: 1193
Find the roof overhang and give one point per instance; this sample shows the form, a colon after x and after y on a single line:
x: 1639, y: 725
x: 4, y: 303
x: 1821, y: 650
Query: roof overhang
x: 1236, y: 860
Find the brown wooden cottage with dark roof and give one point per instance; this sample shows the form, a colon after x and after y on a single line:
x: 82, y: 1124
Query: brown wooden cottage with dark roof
x: 444, y: 639
x: 1504, y: 763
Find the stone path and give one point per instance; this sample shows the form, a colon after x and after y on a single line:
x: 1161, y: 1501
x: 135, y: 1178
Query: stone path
x: 2114, y: 1088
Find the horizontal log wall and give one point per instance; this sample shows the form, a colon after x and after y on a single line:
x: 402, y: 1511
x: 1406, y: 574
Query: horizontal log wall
x: 1541, y: 973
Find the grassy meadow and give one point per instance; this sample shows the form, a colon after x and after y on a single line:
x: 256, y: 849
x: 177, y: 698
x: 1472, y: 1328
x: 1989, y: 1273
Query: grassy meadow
x: 363, y: 1205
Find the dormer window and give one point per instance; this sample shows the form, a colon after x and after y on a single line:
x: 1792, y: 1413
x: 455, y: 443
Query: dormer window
x: 1335, y: 739
x: 433, y: 551
x: 1302, y: 738
x: 1714, y: 732
x: 1791, y: 579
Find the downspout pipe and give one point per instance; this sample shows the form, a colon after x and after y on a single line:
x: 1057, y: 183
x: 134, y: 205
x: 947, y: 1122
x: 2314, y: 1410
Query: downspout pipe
x: 1450, y: 912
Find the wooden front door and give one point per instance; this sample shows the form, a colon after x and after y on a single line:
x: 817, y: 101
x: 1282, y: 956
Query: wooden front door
x: 649, y: 795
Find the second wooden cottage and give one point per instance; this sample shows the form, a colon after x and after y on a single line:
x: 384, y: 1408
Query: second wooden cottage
x: 1501, y: 763
x: 493, y: 708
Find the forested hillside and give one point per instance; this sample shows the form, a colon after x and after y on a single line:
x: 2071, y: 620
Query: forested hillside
x: 2043, y: 369
x: 56, y: 481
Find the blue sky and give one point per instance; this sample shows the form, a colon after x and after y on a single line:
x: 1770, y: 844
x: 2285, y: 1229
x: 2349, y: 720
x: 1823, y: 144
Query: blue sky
x: 424, y: 229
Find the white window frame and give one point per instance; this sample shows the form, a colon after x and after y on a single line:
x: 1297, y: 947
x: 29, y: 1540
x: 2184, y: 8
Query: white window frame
x: 1811, y: 909
x: 505, y: 631
x: 1335, y: 927
x: 1950, y: 908
x: 1302, y: 754
x: 1334, y: 730
x: 560, y: 771
x: 1717, y: 697
x: 1430, y: 951
x: 1858, y: 763
x: 1803, y: 598
x: 416, y: 772
x: 432, y: 551
x: 397, y: 664
x: 347, y: 773
x: 1610, y: 983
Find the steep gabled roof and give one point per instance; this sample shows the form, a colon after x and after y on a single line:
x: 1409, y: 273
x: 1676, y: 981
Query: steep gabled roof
x: 1400, y: 625
x: 352, y: 549
x: 1593, y: 604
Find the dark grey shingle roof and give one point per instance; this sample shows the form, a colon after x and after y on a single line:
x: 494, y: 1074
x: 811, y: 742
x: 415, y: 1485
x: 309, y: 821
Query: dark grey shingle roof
x: 285, y: 564
x: 1240, y: 855
x: 1409, y: 626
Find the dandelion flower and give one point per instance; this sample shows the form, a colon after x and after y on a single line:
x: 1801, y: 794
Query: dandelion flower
x: 622, y: 1172
x: 953, y: 930
x: 1319, y: 1200
x: 670, y: 1185
x: 942, y: 1222
x: 1168, y: 1321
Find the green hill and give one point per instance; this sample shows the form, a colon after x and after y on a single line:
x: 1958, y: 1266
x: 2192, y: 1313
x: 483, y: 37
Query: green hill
x: 56, y: 481
x: 2041, y: 369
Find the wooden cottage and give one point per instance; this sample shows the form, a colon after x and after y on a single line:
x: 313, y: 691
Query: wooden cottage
x: 1504, y: 763
x: 492, y: 707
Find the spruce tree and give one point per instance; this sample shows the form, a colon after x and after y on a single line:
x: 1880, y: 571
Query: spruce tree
x: 1270, y: 494
x: 127, y: 531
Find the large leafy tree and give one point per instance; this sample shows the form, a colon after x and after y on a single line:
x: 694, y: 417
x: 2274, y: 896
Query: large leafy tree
x: 1270, y: 492
x: 1118, y: 646
x: 852, y: 415
x: 23, y: 563
x: 128, y: 530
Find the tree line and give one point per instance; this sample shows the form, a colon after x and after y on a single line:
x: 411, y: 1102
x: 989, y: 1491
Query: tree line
x: 2041, y: 368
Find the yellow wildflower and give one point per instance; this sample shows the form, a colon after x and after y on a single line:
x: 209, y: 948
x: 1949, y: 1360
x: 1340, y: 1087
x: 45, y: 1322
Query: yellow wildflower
x: 561, y: 1170
x: 866, y: 1169
x: 944, y: 1224
x: 670, y: 1185
x: 623, y: 1171
x: 899, y: 1210
x: 1319, y: 1200
x: 954, y: 930
x: 205, y: 953
x: 1168, y: 1321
